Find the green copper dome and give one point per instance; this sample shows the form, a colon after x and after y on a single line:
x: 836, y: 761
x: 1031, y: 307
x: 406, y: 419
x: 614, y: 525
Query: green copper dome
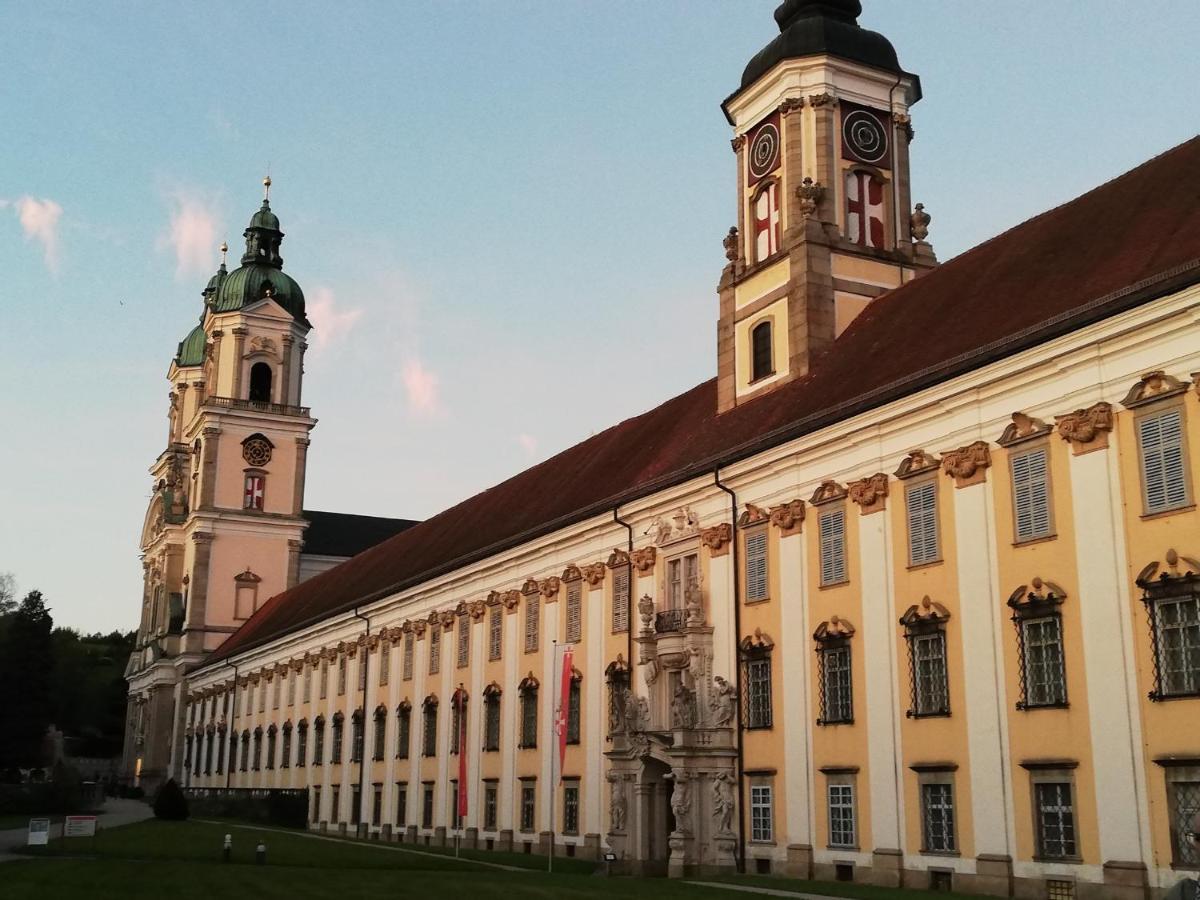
x: 191, y: 348
x: 261, y: 273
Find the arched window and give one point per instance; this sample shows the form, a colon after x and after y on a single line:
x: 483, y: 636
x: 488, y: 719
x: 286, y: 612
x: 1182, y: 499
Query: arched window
x: 865, y: 209
x: 260, y: 383
x: 762, y: 363
x: 335, y: 750
x: 429, y: 726
x: 380, y: 731
x: 491, y: 717
x: 528, y: 693
x: 403, y: 729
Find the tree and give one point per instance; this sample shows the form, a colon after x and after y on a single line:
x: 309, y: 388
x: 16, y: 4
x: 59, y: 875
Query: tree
x: 26, y: 661
x: 8, y: 593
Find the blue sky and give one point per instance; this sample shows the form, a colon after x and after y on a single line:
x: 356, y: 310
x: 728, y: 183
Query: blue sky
x: 506, y: 217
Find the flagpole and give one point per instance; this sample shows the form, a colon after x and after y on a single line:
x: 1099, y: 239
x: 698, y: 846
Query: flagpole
x: 553, y: 753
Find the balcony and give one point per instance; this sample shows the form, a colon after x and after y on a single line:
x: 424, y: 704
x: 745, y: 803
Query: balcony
x: 279, y: 409
x: 669, y: 620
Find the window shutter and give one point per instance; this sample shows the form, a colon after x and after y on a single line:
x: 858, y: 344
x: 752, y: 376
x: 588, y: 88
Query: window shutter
x: 464, y: 640
x: 435, y: 648
x: 922, y: 523
x: 620, y: 599
x: 1031, y: 495
x: 531, y: 624
x: 495, y: 632
x: 408, y: 656
x: 756, y: 566
x: 1161, y: 438
x: 833, y: 546
x: 574, y: 612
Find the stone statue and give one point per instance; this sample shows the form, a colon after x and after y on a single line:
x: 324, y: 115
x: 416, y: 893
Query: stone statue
x: 920, y: 222
x: 617, y: 804
x: 646, y: 611
x: 683, y: 708
x: 810, y: 194
x: 681, y: 800
x: 631, y: 712
x: 694, y: 604
x: 643, y: 713
x: 722, y: 701
x: 661, y: 529
x: 722, y: 802
x: 731, y: 244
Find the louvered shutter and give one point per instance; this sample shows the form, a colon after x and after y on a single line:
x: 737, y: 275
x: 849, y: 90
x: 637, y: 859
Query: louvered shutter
x: 833, y: 546
x: 464, y: 640
x: 531, y: 624
x: 922, y: 523
x: 1031, y: 495
x: 435, y: 648
x: 574, y: 612
x: 1161, y: 439
x: 756, y: 566
x: 408, y: 656
x: 620, y: 611
x: 495, y: 632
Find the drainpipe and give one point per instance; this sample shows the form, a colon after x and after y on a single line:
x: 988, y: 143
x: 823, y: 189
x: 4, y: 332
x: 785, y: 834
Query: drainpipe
x: 897, y: 222
x: 362, y: 756
x: 629, y: 612
x: 737, y: 668
x: 232, y: 728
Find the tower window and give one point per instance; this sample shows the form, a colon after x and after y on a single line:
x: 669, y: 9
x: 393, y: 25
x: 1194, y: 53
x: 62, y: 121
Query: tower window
x: 260, y: 383
x: 765, y: 212
x: 252, y: 497
x: 864, y: 209
x: 761, y: 351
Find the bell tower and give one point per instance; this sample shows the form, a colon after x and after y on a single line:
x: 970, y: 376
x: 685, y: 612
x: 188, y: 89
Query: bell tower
x: 825, y: 222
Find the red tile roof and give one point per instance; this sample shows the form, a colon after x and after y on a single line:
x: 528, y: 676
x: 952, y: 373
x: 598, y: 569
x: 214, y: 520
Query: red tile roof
x: 1119, y: 245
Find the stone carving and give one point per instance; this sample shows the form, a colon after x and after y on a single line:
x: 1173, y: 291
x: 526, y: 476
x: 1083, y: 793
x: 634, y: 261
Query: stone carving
x: 1038, y: 593
x: 681, y: 799
x: 828, y: 491
x: 1023, y: 428
x: 926, y: 611
x: 722, y: 702
x: 262, y: 345
x: 1190, y: 568
x: 646, y: 612
x: 1153, y: 386
x: 617, y: 558
x: 1086, y: 429
x: 732, y: 243
x: 530, y: 586
x: 549, y: 588
x: 968, y: 465
x: 919, y: 222
x: 694, y: 603
x: 819, y: 100
x: 593, y: 574
x: 722, y: 802
x: 643, y: 560
x: 904, y: 123
x: 916, y: 463
x: 810, y: 193
x: 870, y: 493
x: 683, y: 708
x: 738, y: 142
x: 478, y: 608
x: 835, y: 628
x: 791, y: 104
x: 717, y: 538
x: 572, y: 573
x: 617, y: 803
x: 788, y: 517
x: 752, y: 516
x: 511, y: 600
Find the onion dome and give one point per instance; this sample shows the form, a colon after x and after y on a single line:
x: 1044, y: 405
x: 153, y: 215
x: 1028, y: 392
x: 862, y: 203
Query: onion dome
x: 191, y: 348
x: 822, y: 27
x: 261, y: 273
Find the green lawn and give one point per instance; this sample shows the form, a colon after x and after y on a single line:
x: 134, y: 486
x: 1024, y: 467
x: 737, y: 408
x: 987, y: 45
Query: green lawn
x: 184, y: 859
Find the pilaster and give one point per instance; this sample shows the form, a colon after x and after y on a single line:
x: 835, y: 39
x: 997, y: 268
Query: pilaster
x: 302, y: 444
x: 210, y: 438
x: 198, y: 591
x: 239, y: 351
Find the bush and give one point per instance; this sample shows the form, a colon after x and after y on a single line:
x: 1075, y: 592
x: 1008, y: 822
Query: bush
x: 170, y: 803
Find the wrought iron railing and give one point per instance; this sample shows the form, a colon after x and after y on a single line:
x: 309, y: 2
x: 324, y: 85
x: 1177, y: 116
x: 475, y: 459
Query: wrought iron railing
x: 666, y: 620
x: 281, y: 409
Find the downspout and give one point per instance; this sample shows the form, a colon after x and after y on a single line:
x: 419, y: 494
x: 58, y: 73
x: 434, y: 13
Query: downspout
x: 362, y: 756
x: 629, y: 612
x: 232, y: 728
x: 737, y: 668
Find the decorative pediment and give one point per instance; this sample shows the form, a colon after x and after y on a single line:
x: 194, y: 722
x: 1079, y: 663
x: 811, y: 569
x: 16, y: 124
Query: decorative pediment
x: 247, y: 577
x: 1086, y: 429
x: 617, y: 558
x: 927, y: 613
x: 404, y: 706
x: 869, y: 493
x: 917, y: 462
x: 447, y: 617
x: 968, y: 465
x: 1153, y: 386
x: 752, y: 515
x: 682, y: 523
x: 828, y: 492
x: 461, y: 608
x: 477, y: 609
x: 788, y: 517
x: 460, y: 696
x: 530, y: 586
x: 1036, y: 597
x: 593, y: 573
x: 373, y: 642
x: 549, y: 588
x: 834, y: 629
x: 432, y: 618
x: 571, y: 573
x: 511, y: 600
x: 759, y: 642
x: 430, y: 702
x: 529, y: 683
x: 617, y: 667
x: 418, y: 628
x: 643, y: 560
x: 1023, y: 428
x: 493, y: 598
x: 493, y: 690
x: 1177, y: 569
x: 717, y: 538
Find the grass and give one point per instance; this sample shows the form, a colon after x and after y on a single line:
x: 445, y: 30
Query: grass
x: 141, y: 861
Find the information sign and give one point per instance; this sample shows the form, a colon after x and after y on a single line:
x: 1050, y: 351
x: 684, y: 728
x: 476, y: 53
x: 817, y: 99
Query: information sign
x: 79, y: 826
x: 39, y: 832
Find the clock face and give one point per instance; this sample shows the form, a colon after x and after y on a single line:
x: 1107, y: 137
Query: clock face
x: 257, y: 451
x: 865, y: 135
x: 762, y: 150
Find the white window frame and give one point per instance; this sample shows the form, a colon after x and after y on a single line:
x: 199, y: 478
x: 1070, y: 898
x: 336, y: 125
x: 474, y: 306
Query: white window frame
x: 756, y: 565
x: 1163, y: 462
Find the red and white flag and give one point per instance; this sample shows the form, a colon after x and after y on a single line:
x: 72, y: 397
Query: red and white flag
x: 254, y: 492
x: 766, y: 222
x: 564, y: 705
x: 462, y: 757
x: 864, y: 209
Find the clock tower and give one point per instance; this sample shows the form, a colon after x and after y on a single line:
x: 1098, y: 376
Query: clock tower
x: 825, y: 224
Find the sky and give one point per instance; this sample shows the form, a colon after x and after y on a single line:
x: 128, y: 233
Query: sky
x: 506, y: 218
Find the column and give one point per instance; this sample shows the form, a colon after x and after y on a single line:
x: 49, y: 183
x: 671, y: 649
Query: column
x: 301, y: 468
x: 797, y: 716
x: 285, y: 374
x: 208, y: 465
x: 510, y: 710
x: 239, y: 349
x: 594, y: 704
x: 197, y: 611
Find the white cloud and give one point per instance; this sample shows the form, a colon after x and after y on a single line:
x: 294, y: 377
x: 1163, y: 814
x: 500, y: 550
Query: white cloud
x: 330, y: 323
x: 421, y: 388
x: 39, y: 220
x: 528, y: 443
x: 192, y: 233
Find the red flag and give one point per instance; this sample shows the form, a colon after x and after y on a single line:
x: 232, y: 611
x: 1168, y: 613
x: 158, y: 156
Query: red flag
x: 462, y: 757
x: 564, y: 703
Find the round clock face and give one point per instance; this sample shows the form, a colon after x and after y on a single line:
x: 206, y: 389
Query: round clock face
x: 865, y: 136
x: 764, y: 151
x: 257, y: 451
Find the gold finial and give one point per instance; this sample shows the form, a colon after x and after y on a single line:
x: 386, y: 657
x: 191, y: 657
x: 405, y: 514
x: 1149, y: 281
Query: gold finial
x: 224, y: 250
x: 267, y: 188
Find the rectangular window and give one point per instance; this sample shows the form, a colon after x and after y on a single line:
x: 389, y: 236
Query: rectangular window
x: 409, y: 642
x: 758, y: 692
x: 455, y: 820
x: 842, y: 831
x: 285, y: 750
x: 837, y: 698
x: 937, y: 817
x: 355, y: 805
x: 528, y: 807
x: 335, y: 750
x: 1177, y: 644
x: 1183, y: 801
x: 1045, y: 676
x: 458, y: 712
x: 1031, y: 494
x: 620, y: 599
x: 435, y: 648
x: 302, y: 745
x: 324, y: 678
x: 1164, y: 478
x: 832, y: 528
x: 1055, y: 820
x: 364, y: 661
x: 531, y: 623
x: 335, y: 798
x: 529, y: 697
x: 756, y: 565
x: 574, y: 702
x: 570, y: 807
x: 262, y: 698
x: 430, y: 725
x: 762, y: 813
x: 291, y: 682
x: 921, y: 503
x: 252, y: 496
x: 341, y: 676
x: 464, y: 640
x: 403, y: 732
x: 495, y: 631
x: 491, y: 722
x: 927, y: 656
x: 319, y: 745
x: 427, y: 806
x: 402, y: 804
x: 574, y: 629
x: 380, y: 736
x: 385, y: 661
x: 376, y: 805
x: 490, y: 793
x: 682, y: 572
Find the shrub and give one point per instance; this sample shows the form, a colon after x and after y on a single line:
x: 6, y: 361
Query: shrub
x: 170, y: 803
